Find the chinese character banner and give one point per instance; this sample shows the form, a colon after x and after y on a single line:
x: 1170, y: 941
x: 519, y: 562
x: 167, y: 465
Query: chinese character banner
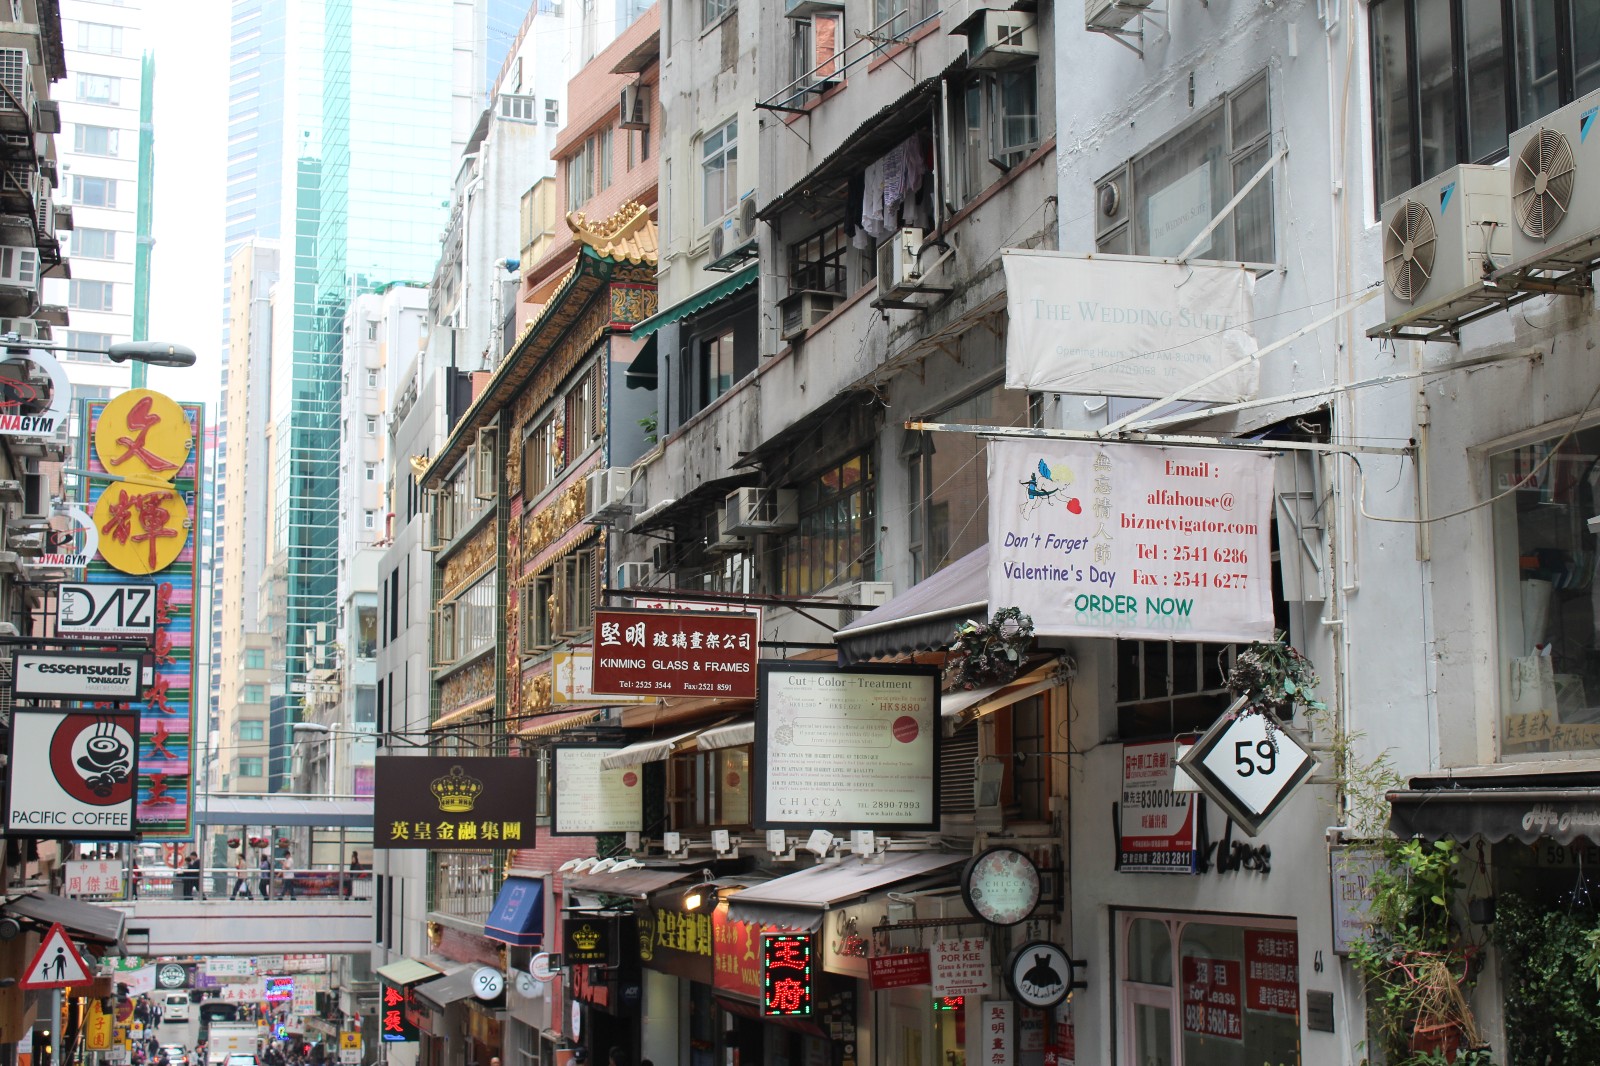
x: 148, y: 528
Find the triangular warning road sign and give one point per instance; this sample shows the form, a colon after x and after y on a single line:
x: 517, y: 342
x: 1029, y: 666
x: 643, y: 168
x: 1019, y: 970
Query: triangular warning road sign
x: 57, y: 964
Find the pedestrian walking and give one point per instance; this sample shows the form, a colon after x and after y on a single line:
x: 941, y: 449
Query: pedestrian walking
x: 241, y: 879
x: 191, y: 867
x: 265, y: 868
x: 286, y: 890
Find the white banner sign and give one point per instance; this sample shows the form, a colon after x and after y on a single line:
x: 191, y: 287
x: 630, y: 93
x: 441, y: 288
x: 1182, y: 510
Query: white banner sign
x: 99, y: 676
x: 574, y: 674
x: 74, y: 539
x: 1131, y: 540
x: 590, y: 800
x: 846, y: 749
x: 228, y: 966
x: 72, y: 775
x: 960, y: 966
x: 140, y: 982
x: 106, y: 610
x: 96, y: 878
x: 1127, y: 328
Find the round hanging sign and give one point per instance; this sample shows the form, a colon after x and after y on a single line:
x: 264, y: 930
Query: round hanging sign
x: 487, y: 982
x: 171, y: 975
x: 1001, y: 885
x: 539, y: 967
x: 527, y: 987
x: 1039, y: 974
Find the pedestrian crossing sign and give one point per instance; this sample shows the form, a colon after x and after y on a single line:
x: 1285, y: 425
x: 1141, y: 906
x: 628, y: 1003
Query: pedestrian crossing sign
x: 57, y: 965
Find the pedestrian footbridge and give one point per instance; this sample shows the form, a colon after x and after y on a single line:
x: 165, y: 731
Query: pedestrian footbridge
x: 311, y: 924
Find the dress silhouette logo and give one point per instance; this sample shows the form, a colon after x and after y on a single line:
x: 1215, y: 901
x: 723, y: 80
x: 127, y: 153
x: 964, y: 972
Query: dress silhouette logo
x: 1040, y: 974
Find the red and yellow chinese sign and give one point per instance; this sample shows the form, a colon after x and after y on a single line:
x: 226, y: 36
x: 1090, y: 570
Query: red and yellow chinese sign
x: 786, y: 973
x: 143, y: 522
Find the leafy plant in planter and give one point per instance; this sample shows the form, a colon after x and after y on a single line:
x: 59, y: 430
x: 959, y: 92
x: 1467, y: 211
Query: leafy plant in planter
x: 1417, y: 963
x: 989, y: 653
x: 1273, y: 676
x: 1549, y: 968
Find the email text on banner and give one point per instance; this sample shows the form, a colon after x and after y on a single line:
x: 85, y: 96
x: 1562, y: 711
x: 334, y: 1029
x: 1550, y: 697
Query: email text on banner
x: 1125, y: 540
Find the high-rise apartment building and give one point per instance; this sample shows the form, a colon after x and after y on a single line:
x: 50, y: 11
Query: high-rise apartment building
x: 98, y: 167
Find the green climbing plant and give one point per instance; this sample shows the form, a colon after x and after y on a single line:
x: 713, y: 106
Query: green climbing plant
x: 1551, y: 979
x: 989, y: 653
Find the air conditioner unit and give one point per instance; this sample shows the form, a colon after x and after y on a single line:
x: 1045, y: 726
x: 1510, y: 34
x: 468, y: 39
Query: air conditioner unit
x: 1000, y: 39
x: 63, y: 217
x: 1555, y: 189
x: 19, y: 267
x: 608, y: 492
x: 16, y: 90
x: 663, y: 557
x: 898, y: 273
x: 635, y: 575
x: 44, y: 212
x: 1442, y: 239
x: 486, y: 473
x: 804, y: 9
x: 735, y: 233
x: 1111, y: 14
x: 26, y: 328
x: 47, y: 116
x: 8, y: 562
x: 868, y: 594
x: 759, y: 510
x: 10, y: 491
x: 634, y: 111
x: 744, y: 219
x: 801, y: 310
x: 726, y: 541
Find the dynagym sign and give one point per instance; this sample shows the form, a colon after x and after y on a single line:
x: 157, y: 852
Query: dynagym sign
x: 465, y: 804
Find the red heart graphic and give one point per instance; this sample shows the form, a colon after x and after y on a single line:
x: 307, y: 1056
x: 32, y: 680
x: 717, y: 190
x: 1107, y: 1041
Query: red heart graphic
x: 1074, y: 506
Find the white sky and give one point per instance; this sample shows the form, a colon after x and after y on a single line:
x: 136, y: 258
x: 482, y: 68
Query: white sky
x: 190, y: 41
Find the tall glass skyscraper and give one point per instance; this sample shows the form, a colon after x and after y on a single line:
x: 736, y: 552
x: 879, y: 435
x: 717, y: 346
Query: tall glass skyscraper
x: 350, y: 136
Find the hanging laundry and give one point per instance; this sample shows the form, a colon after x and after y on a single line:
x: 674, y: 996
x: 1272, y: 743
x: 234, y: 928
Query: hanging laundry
x: 872, y: 201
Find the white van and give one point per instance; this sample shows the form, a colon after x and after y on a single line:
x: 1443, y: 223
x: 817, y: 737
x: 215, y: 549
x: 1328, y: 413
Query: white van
x: 175, y: 1007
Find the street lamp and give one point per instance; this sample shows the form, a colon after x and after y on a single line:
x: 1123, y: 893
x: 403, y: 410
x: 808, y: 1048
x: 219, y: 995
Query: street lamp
x: 153, y: 353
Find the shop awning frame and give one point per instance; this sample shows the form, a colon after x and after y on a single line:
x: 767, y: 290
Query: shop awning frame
x: 407, y: 971
x: 964, y: 706
x: 102, y: 926
x: 454, y: 986
x: 633, y: 884
x: 699, y: 301
x: 801, y: 900
x: 656, y: 749
x: 516, y: 919
x: 731, y: 735
x: 1564, y: 815
x: 925, y: 616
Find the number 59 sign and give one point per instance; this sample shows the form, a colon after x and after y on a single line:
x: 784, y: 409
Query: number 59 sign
x: 1248, y: 764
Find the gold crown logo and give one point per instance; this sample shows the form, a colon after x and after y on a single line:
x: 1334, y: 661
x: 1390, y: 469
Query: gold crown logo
x: 456, y: 791
x: 585, y: 938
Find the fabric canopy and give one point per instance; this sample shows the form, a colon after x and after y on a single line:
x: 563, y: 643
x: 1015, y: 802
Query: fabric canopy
x: 453, y: 986
x: 635, y: 883
x: 973, y: 703
x: 924, y: 617
x: 731, y: 735
x: 82, y: 921
x: 702, y: 299
x: 518, y: 915
x: 799, y: 900
x: 1526, y: 814
x: 654, y: 750
x: 407, y: 971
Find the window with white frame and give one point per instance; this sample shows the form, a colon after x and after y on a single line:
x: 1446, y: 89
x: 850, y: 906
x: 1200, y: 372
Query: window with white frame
x: 996, y: 125
x: 467, y: 621
x: 541, y: 458
x: 712, y: 10
x: 814, y: 47
x: 89, y: 348
x: 1207, y: 990
x: 1546, y: 600
x: 99, y: 38
x: 580, y: 175
x: 99, y: 89
x: 94, y: 140
x: 552, y: 112
x: 90, y: 243
x: 519, y: 108
x: 91, y: 295
x: 719, y: 172
x: 94, y: 192
x: 1159, y: 201
x: 583, y: 413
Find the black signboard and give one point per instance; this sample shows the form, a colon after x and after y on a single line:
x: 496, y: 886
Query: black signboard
x: 394, y: 1026
x: 587, y: 940
x: 454, y: 804
x: 677, y: 942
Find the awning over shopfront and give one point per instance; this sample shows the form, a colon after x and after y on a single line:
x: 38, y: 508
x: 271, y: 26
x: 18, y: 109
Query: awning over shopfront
x: 734, y: 1005
x: 974, y: 703
x: 799, y: 900
x: 548, y: 724
x: 699, y: 301
x: 1509, y: 802
x: 518, y: 915
x: 656, y: 749
x: 636, y: 884
x: 82, y: 921
x: 923, y: 617
x: 731, y: 735
x: 408, y: 971
x: 454, y: 985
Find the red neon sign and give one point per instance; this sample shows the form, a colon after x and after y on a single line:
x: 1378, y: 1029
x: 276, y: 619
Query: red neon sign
x: 786, y: 960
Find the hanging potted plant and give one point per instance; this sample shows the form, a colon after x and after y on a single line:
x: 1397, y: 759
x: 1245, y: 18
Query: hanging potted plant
x: 988, y: 653
x: 1273, y: 676
x: 233, y: 842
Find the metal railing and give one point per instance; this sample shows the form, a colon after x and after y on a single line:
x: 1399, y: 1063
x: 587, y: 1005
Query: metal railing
x: 829, y: 71
x: 215, y: 883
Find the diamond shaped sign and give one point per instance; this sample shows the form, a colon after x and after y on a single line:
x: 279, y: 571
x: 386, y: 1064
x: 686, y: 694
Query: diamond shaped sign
x: 1248, y: 764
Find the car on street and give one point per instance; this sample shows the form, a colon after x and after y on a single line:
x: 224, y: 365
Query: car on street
x: 177, y: 1054
x: 241, y: 1060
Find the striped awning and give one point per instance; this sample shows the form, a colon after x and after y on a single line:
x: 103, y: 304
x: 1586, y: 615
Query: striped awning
x: 547, y: 724
x: 656, y: 749
x: 731, y: 735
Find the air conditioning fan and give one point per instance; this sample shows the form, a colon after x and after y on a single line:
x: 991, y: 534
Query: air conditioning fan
x: 726, y: 540
x: 663, y: 557
x: 635, y: 575
x: 608, y: 492
x: 898, y: 272
x: 1555, y: 189
x: 801, y: 310
x: 1441, y: 240
x: 998, y: 39
x: 759, y: 510
x: 633, y: 112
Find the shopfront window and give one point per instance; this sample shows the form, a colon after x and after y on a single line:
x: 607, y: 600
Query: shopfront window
x: 1209, y: 991
x: 1546, y: 596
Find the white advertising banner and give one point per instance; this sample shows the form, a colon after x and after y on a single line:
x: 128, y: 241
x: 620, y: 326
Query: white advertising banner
x: 960, y: 966
x: 1127, y: 327
x: 72, y: 775
x: 100, y: 676
x: 847, y: 749
x: 1131, y: 540
x: 574, y: 681
x: 92, y: 878
x: 140, y: 982
x: 588, y: 799
x: 106, y: 610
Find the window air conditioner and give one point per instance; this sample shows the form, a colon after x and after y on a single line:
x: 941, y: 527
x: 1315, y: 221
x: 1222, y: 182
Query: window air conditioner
x: 608, y: 493
x: 35, y: 498
x: 634, y: 111
x: 898, y: 273
x: 47, y: 116
x: 1555, y: 178
x: 1001, y: 39
x: 1111, y: 14
x: 10, y: 491
x: 26, y: 328
x: 17, y: 101
x: 635, y: 575
x: 663, y: 557
x: 26, y: 543
x: 8, y: 562
x: 1442, y: 239
x: 801, y: 310
x: 760, y: 510
x: 19, y: 267
x: 868, y: 594
x: 726, y: 541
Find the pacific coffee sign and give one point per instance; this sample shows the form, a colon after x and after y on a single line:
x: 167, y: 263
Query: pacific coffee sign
x: 676, y: 653
x: 465, y: 804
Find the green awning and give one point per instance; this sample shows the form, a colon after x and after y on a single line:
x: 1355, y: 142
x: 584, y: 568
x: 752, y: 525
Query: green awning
x: 704, y: 298
x: 407, y: 972
x: 643, y: 371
